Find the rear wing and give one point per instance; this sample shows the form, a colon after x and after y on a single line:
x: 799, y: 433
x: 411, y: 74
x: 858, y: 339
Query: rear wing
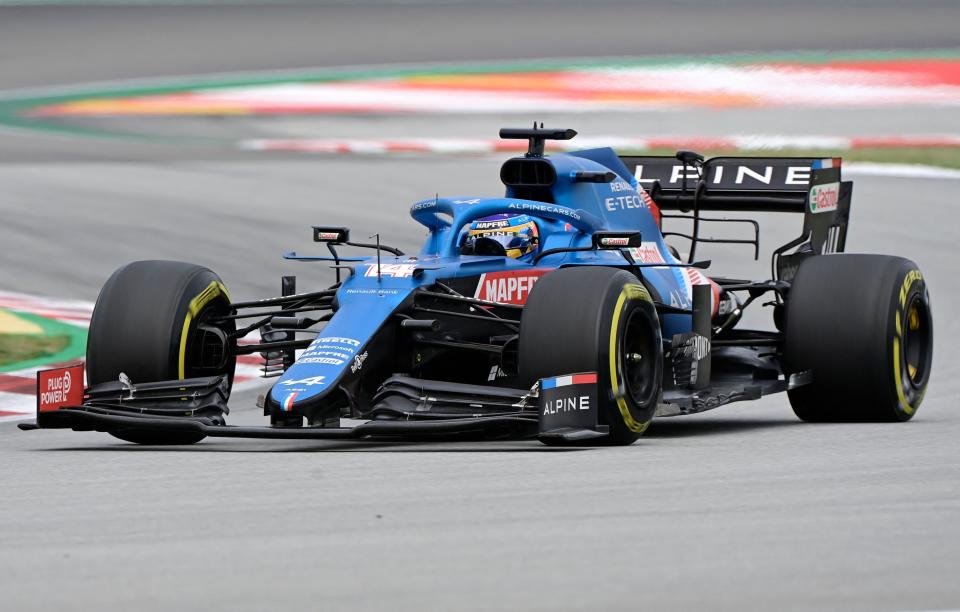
x: 809, y: 186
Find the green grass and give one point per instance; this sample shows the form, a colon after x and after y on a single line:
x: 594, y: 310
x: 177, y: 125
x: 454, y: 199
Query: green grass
x: 946, y: 157
x: 15, y: 348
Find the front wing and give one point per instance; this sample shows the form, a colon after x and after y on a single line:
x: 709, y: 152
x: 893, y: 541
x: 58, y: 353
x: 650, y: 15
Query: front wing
x: 561, y: 408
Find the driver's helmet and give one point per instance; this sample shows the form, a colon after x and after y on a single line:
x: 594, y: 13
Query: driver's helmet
x: 504, y: 234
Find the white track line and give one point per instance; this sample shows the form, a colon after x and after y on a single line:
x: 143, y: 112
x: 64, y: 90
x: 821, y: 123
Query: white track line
x: 900, y: 170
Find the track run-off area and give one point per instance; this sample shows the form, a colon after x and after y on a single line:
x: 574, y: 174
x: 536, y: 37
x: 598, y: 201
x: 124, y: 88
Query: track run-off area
x: 123, y: 157
x: 319, y: 110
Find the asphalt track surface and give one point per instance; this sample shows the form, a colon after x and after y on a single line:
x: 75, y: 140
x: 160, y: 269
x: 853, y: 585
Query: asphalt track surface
x: 741, y: 508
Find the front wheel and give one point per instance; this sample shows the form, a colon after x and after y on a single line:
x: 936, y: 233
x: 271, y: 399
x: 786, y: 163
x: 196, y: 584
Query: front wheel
x: 596, y: 319
x: 153, y: 321
x: 861, y: 325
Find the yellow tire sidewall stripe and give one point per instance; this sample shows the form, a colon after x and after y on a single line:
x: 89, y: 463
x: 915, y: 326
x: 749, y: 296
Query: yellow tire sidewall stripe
x: 912, y: 277
x: 629, y: 291
x: 211, y: 291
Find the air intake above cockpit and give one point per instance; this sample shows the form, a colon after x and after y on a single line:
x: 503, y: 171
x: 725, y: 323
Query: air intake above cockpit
x: 528, y: 172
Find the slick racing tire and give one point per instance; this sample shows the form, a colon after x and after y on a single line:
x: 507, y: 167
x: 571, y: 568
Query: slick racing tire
x: 862, y: 326
x: 596, y: 319
x: 145, y: 324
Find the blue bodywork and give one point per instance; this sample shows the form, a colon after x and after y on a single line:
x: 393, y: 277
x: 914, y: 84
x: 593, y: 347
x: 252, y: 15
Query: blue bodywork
x: 366, y: 300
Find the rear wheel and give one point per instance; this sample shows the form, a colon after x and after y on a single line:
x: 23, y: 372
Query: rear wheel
x: 595, y: 319
x: 861, y: 324
x: 152, y: 321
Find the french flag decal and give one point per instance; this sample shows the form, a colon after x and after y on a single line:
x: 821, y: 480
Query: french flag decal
x: 570, y: 379
x: 288, y: 402
x: 830, y: 162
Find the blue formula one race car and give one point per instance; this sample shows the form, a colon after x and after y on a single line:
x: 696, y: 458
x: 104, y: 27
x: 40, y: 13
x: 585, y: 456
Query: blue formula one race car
x: 556, y: 312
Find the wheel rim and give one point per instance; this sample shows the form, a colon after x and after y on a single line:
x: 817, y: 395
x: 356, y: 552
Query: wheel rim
x: 916, y: 342
x: 637, y: 358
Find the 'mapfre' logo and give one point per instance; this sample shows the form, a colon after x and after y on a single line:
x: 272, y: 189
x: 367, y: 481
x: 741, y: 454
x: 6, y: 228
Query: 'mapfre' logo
x: 511, y: 287
x: 484, y: 225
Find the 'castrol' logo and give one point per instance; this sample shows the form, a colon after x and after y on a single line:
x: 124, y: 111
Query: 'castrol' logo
x: 511, y: 287
x: 824, y: 198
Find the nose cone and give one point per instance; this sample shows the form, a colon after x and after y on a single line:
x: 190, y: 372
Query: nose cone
x: 366, y: 304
